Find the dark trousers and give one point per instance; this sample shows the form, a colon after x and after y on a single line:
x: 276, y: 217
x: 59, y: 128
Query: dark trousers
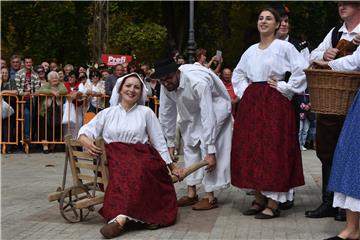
x: 327, y: 134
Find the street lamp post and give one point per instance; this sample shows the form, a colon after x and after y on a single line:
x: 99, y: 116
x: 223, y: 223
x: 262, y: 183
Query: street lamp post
x: 191, y: 42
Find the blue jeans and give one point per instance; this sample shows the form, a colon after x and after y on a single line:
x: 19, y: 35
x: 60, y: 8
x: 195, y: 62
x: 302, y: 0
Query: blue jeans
x: 27, y: 119
x: 303, y: 131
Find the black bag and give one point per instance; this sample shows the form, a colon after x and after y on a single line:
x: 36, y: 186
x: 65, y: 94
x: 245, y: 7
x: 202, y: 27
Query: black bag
x: 311, y: 116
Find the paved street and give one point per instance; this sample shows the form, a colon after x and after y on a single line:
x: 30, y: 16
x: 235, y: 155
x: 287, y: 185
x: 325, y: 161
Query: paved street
x: 27, y: 214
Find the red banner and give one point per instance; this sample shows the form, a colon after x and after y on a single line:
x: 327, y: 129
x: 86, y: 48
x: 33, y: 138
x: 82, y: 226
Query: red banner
x: 112, y: 60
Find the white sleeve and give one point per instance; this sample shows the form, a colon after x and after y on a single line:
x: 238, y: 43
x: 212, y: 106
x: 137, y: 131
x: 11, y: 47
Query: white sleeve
x: 149, y: 92
x: 208, y: 118
x: 239, y: 77
x: 95, y: 127
x: 306, y: 54
x: 156, y: 136
x: 297, y: 80
x: 167, y: 117
x: 347, y: 63
x: 318, y: 53
x: 82, y: 88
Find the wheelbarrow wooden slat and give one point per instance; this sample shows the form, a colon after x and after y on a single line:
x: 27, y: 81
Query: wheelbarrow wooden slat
x: 82, y: 155
x: 54, y: 196
x: 74, y: 143
x: 90, y: 178
x: 88, y: 202
x: 86, y: 166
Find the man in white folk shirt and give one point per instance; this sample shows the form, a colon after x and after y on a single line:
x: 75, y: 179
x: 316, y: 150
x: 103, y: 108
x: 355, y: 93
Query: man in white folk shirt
x: 204, y: 107
x: 329, y: 126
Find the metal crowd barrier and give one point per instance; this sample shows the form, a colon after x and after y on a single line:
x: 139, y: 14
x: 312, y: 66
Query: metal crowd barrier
x: 9, y: 133
x: 48, y: 121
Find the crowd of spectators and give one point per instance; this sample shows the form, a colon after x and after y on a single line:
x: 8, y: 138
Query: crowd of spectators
x: 86, y: 89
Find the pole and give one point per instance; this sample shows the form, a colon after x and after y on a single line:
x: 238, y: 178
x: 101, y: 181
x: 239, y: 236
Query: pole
x: 191, y: 42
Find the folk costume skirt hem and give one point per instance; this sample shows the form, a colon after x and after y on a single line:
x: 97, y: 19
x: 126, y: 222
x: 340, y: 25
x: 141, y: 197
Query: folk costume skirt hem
x: 265, y: 152
x: 139, y: 185
x: 346, y: 202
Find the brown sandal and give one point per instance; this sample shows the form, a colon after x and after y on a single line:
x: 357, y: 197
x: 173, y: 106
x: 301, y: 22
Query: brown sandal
x: 187, y: 201
x: 204, y: 204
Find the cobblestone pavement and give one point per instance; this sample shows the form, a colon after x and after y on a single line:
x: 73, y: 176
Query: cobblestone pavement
x: 26, y: 213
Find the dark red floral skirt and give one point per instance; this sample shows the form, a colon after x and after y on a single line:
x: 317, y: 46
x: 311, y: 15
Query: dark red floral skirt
x: 265, y: 151
x: 139, y: 185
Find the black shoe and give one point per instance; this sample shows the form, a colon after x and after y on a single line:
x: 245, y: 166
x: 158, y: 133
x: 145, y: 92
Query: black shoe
x: 322, y: 211
x: 286, y: 205
x: 253, y: 211
x: 275, y: 211
x: 338, y: 238
x: 251, y: 192
x: 340, y: 215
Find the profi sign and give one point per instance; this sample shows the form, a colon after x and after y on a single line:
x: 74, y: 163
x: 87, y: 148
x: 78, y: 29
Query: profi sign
x: 112, y: 60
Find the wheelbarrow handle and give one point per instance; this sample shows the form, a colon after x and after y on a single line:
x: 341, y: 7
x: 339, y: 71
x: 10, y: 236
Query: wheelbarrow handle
x: 189, y: 170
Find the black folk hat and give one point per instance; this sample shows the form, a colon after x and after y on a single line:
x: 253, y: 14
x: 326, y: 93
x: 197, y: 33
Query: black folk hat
x: 164, y: 67
x: 282, y: 9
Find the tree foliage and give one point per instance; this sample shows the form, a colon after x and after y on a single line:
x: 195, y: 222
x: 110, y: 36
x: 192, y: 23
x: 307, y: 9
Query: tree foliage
x: 142, y: 40
x: 44, y: 30
x: 135, y: 29
x: 63, y: 30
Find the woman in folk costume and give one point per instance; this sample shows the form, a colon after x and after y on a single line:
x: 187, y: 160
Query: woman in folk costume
x: 345, y: 172
x: 140, y: 187
x: 265, y: 149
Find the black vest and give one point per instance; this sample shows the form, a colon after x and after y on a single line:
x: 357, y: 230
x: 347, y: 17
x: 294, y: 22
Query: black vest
x: 299, y: 46
x: 335, y: 36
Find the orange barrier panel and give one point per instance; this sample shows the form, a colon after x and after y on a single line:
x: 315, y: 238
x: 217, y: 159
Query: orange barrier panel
x: 9, y: 123
x: 155, y: 104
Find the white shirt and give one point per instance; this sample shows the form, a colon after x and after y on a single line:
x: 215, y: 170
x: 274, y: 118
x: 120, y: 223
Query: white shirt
x: 203, y: 105
x: 98, y: 88
x: 304, y: 52
x: 259, y: 65
x: 318, y: 53
x: 347, y: 63
x: 138, y: 125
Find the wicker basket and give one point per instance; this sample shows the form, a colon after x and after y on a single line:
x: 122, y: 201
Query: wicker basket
x: 332, y: 92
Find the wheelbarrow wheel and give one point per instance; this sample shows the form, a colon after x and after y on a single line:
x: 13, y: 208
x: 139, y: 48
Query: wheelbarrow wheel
x: 67, y: 204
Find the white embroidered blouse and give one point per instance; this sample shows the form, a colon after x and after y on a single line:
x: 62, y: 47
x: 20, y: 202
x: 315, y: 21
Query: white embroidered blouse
x: 138, y: 125
x: 259, y: 65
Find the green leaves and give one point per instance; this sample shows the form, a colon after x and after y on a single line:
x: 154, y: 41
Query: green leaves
x: 144, y: 40
x: 43, y: 30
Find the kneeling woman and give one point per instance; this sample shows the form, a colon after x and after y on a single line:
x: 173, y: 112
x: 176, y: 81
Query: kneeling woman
x: 140, y: 188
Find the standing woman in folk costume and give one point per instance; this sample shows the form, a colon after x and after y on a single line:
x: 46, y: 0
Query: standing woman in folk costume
x: 140, y: 188
x: 265, y: 149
